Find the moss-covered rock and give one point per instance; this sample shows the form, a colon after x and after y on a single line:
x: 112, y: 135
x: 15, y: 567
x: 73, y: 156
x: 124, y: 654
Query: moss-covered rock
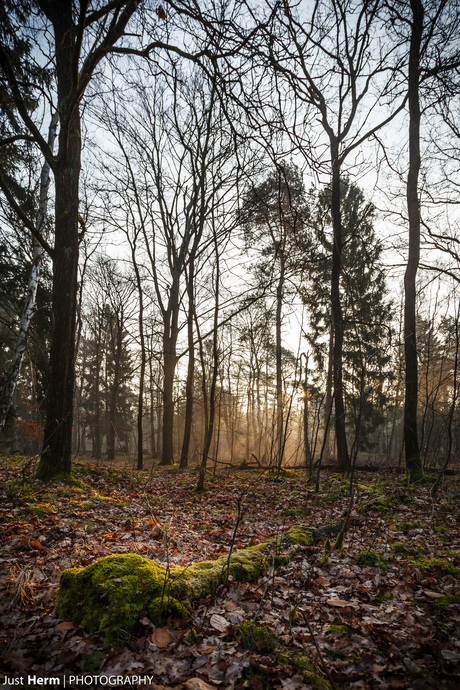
x: 108, y: 595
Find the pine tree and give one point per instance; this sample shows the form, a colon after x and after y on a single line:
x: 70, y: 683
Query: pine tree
x: 366, y: 306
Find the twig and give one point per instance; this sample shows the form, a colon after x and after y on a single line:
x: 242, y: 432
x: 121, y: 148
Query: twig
x: 323, y: 663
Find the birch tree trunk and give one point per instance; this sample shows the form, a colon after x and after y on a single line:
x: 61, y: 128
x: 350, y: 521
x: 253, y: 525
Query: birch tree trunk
x: 30, y: 304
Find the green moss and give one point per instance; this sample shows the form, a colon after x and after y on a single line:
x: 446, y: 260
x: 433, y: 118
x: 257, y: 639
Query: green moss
x: 369, y: 558
x: 341, y: 630
x: 256, y: 679
x: 257, y: 638
x: 434, y: 564
x: 81, y: 505
x: 447, y: 600
x: 41, y: 510
x: 72, y: 491
x: 18, y: 489
x: 107, y: 596
x: 296, y: 512
x: 281, y: 559
x: 406, y: 526
x: 303, y: 666
x: 372, y: 489
x: 380, y: 505
x: 300, y: 535
x: 383, y: 504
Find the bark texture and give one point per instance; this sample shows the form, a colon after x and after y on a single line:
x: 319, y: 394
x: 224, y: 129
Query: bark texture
x: 411, y: 443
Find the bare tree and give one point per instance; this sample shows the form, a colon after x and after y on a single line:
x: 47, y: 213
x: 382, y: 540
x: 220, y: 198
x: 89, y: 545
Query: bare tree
x: 330, y: 69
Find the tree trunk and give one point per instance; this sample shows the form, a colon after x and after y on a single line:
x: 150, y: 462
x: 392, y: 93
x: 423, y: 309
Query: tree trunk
x: 140, y: 398
x: 212, y: 393
x: 279, y: 448
x: 328, y: 397
x: 343, y: 459
x: 57, y: 444
x: 153, y: 445
x: 97, y: 394
x: 118, y: 346
x: 190, y: 372
x: 169, y: 366
x: 411, y: 444
x: 170, y: 332
x: 306, y: 436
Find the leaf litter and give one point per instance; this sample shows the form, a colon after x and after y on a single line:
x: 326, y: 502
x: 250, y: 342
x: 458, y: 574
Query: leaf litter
x: 370, y: 615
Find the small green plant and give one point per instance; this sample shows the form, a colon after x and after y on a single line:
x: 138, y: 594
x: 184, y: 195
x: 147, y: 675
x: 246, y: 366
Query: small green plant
x: 339, y: 542
x: 93, y: 662
x: 366, y: 559
x: 441, y: 529
x: 293, y: 615
x: 257, y: 638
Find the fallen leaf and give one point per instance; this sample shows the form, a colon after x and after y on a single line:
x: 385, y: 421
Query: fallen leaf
x: 450, y: 656
x: 162, y: 637
x: 338, y: 603
x: 64, y: 626
x: 219, y: 622
x: 197, y: 684
x: 432, y: 595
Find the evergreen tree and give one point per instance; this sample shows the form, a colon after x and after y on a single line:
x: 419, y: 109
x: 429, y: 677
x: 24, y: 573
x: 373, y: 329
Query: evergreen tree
x: 366, y: 306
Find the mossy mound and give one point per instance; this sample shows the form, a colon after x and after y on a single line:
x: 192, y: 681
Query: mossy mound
x: 303, y: 536
x: 383, y: 504
x: 108, y: 595
x: 433, y: 565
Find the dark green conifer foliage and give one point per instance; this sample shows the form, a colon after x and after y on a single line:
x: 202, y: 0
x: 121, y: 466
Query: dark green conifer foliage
x: 366, y: 305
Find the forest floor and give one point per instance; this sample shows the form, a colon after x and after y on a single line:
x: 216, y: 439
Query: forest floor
x: 381, y: 612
